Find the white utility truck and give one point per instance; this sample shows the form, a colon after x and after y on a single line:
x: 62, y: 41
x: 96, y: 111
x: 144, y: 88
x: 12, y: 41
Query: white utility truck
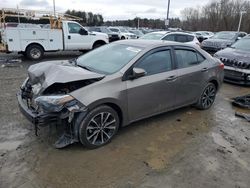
x: 61, y: 35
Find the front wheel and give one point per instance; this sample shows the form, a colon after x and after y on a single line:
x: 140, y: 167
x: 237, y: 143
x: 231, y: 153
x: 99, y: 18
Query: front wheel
x: 207, y: 97
x: 98, y: 127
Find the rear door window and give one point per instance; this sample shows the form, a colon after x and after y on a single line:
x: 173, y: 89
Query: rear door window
x: 181, y: 38
x: 170, y: 37
x: 190, y: 38
x: 187, y: 58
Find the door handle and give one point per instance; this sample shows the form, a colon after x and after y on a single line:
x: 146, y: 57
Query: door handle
x: 69, y: 37
x: 204, y: 69
x: 171, y: 78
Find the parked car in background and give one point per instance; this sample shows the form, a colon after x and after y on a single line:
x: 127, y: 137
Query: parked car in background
x: 118, y: 84
x: 172, y: 36
x: 203, y: 35
x: 123, y: 33
x: 221, y: 40
x: 113, y: 36
x: 236, y: 59
x: 137, y: 32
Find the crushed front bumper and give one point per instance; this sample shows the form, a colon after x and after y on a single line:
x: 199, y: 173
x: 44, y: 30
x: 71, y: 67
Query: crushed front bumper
x: 38, y: 119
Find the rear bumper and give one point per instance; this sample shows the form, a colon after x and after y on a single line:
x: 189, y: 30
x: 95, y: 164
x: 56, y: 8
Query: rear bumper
x: 34, y: 117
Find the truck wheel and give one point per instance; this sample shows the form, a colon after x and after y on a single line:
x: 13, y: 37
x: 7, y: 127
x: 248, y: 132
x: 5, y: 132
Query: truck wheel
x: 34, y: 52
x: 122, y: 38
x: 98, y: 44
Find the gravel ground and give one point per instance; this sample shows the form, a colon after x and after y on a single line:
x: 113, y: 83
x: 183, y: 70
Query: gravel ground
x: 184, y: 148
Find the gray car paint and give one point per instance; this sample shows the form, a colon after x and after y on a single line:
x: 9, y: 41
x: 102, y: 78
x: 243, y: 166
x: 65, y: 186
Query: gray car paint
x: 139, y: 98
x: 139, y: 103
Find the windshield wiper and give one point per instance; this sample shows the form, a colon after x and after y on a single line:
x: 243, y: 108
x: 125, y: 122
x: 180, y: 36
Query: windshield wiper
x: 84, y: 67
x: 73, y: 61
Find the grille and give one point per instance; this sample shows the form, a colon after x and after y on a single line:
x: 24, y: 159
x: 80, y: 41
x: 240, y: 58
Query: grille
x: 235, y: 63
x: 234, y: 75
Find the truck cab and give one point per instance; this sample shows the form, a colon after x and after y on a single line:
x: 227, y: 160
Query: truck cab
x: 77, y: 37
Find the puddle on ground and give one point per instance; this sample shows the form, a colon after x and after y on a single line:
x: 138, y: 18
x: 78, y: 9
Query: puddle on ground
x: 10, y: 145
x: 218, y: 139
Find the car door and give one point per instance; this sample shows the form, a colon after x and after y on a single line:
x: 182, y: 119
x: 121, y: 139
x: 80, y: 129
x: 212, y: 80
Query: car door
x: 155, y: 92
x: 74, y: 40
x: 193, y: 70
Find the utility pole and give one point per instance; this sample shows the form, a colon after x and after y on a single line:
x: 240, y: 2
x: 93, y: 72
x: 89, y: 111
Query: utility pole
x: 54, y: 6
x: 138, y: 22
x: 18, y: 15
x: 241, y: 14
x: 167, y: 21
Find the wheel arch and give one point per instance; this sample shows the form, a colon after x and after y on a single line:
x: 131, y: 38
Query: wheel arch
x: 113, y: 103
x: 215, y: 82
x: 102, y: 42
x: 34, y: 43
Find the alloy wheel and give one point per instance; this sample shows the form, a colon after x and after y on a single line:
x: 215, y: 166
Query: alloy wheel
x: 208, y: 96
x: 101, y: 128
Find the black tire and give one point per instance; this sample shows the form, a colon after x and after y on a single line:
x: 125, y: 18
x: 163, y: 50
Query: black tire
x: 207, y: 97
x: 97, y: 45
x: 94, y: 134
x: 34, y: 52
x: 122, y: 38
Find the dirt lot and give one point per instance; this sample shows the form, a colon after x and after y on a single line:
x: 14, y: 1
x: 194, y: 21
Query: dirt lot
x: 184, y: 148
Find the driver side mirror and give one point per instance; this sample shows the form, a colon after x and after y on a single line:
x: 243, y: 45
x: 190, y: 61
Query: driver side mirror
x: 137, y: 73
x: 238, y: 38
x: 83, y: 32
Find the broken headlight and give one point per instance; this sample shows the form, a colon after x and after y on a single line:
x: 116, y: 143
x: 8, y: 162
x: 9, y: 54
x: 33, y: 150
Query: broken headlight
x: 53, y: 103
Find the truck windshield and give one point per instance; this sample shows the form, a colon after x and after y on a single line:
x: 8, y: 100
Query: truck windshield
x: 108, y: 59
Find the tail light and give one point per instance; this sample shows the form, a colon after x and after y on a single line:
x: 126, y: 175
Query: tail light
x: 221, y: 65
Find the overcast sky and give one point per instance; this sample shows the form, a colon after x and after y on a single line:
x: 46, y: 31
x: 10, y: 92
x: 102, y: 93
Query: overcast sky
x: 110, y: 9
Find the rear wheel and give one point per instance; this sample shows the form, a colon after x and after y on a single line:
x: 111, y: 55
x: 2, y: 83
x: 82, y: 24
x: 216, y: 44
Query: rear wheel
x: 98, y: 44
x: 207, y: 97
x: 98, y: 127
x: 34, y: 52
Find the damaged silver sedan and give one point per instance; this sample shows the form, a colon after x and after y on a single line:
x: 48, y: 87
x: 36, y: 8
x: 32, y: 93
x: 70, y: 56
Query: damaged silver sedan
x: 115, y: 85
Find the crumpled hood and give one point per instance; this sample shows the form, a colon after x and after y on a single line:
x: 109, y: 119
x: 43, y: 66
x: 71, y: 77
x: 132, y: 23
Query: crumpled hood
x: 234, y: 57
x: 217, y: 42
x: 236, y: 54
x: 48, y: 73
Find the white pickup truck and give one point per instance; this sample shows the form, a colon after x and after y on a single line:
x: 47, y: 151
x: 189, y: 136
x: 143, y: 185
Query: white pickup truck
x: 34, y: 41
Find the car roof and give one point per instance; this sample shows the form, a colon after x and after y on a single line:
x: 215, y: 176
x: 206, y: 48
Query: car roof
x: 183, y: 33
x: 159, y: 32
x: 142, y: 43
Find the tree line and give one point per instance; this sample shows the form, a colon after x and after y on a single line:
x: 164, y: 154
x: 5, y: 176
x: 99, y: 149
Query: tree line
x: 217, y: 15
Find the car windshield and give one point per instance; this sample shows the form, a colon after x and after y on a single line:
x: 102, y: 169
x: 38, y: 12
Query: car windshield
x: 243, y: 44
x: 137, y: 32
x: 108, y: 59
x: 152, y: 36
x: 123, y: 30
x: 114, y: 30
x: 106, y: 30
x: 225, y: 35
